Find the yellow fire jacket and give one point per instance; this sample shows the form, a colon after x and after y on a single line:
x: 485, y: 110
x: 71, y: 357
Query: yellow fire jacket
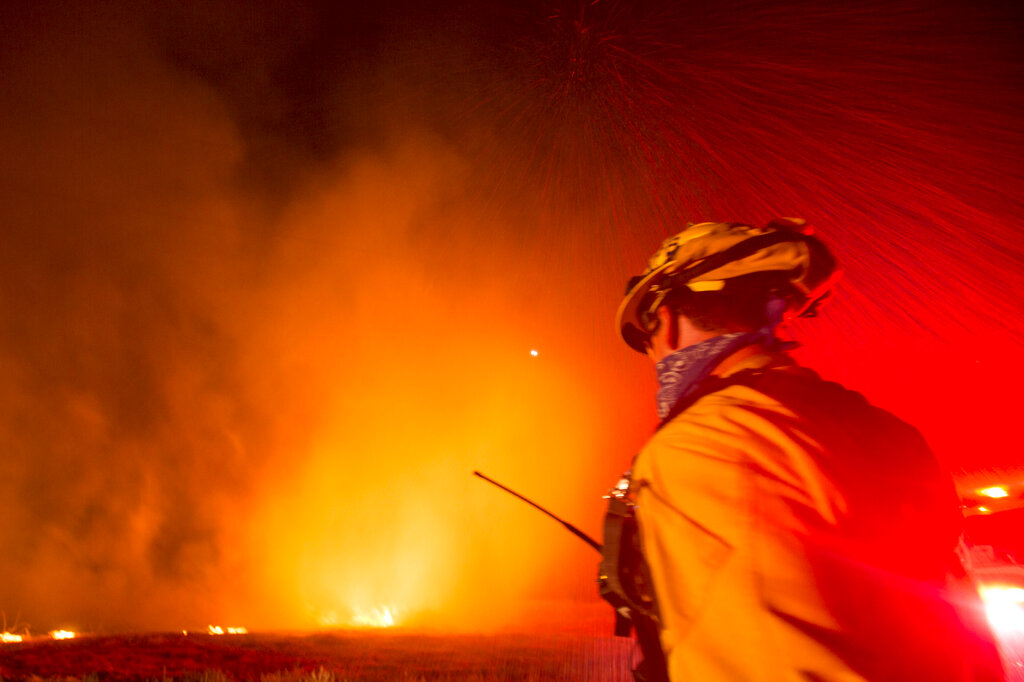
x: 796, y: 533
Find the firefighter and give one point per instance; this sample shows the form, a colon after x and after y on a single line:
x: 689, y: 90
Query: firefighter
x: 792, y: 531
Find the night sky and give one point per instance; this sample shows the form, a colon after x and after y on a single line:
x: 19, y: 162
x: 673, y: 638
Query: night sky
x: 271, y: 274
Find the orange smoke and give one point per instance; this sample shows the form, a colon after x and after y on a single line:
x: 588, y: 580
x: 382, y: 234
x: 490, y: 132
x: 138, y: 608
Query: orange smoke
x: 411, y: 378
x: 229, y: 405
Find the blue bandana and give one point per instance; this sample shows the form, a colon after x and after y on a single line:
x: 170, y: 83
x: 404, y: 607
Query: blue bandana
x: 680, y: 372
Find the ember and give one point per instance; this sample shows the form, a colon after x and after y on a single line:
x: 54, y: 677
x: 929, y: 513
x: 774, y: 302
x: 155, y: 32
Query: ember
x: 62, y: 634
x: 9, y: 637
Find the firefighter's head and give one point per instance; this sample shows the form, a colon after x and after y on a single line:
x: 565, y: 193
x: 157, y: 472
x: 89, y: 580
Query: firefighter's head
x: 725, y: 277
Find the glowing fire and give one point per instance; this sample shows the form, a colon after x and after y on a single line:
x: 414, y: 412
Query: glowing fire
x: 62, y: 634
x: 9, y: 637
x: 219, y: 630
x: 1004, y: 607
x: 377, y: 617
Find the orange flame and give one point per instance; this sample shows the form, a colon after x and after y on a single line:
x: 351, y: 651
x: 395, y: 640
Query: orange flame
x: 220, y: 630
x: 377, y: 617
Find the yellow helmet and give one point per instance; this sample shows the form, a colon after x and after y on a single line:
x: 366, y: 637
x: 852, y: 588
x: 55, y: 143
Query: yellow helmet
x: 703, y: 256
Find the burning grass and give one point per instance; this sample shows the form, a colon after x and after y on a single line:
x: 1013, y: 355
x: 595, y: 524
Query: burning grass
x: 348, y: 656
x: 319, y: 675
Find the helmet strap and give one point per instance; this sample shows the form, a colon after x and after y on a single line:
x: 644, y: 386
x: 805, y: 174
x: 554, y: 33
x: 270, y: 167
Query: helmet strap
x: 775, y: 311
x: 649, y: 317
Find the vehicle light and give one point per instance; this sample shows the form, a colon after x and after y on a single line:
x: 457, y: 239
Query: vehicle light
x: 994, y: 491
x: 1004, y: 607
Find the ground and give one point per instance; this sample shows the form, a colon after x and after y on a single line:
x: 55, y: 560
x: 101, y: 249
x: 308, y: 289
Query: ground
x: 339, y: 656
